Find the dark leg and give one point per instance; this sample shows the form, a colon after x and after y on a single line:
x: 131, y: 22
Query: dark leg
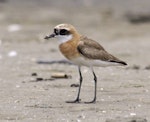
x: 95, y: 80
x: 77, y: 100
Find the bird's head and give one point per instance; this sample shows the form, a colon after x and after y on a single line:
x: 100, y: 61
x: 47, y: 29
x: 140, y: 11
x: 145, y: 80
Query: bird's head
x: 63, y: 32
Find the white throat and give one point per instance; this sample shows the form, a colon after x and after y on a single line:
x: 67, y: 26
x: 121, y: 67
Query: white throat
x: 63, y: 38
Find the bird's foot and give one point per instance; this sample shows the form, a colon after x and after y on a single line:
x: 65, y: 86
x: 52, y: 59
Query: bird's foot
x: 74, y: 101
x: 93, y: 101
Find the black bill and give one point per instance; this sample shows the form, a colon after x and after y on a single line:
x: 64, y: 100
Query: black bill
x: 50, y: 36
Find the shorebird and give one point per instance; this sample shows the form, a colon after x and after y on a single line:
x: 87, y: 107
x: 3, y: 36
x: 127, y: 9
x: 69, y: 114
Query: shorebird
x: 82, y: 51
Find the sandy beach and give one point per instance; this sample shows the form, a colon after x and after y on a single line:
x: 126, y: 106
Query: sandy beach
x: 28, y: 93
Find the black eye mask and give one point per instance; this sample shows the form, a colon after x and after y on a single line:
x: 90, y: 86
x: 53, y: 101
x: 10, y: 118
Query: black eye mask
x: 61, y: 32
x: 64, y: 32
x: 56, y: 31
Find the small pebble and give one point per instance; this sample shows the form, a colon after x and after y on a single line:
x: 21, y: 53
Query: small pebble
x: 12, y: 53
x: 49, y: 79
x: 136, y: 67
x: 23, y: 82
x: 34, y: 74
x: 39, y: 79
x: 132, y: 114
x: 60, y: 75
x: 74, y: 85
x: 101, y: 89
x: 14, y: 27
x: 17, y: 86
x: 103, y: 111
x: 147, y: 67
x: 42, y: 79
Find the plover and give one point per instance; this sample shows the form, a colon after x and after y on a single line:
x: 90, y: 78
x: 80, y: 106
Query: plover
x: 83, y: 51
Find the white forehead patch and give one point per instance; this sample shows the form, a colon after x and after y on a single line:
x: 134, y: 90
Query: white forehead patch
x: 62, y: 26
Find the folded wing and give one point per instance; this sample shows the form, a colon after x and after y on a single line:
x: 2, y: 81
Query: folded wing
x: 93, y: 50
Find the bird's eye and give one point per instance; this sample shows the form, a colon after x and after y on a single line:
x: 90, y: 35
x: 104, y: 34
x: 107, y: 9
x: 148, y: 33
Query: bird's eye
x: 64, y: 32
x: 56, y: 31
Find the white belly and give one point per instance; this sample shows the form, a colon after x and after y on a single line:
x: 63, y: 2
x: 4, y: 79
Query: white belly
x: 98, y: 63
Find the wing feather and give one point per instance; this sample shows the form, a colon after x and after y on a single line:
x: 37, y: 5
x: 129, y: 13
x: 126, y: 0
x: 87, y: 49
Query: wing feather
x: 93, y: 50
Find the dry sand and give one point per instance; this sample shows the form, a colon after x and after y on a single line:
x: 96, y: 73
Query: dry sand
x: 123, y: 92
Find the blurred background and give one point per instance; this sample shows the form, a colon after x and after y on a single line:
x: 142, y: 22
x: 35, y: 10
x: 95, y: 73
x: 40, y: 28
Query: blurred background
x: 93, y: 16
